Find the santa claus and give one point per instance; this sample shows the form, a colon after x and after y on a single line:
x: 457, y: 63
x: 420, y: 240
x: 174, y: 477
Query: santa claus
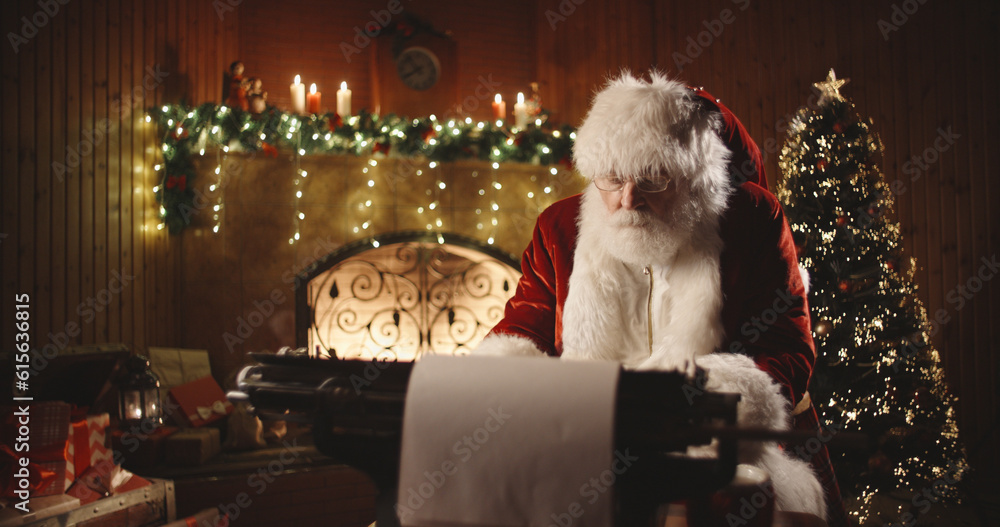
x: 677, y: 255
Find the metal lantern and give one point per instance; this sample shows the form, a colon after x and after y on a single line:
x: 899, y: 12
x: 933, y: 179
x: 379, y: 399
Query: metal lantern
x: 139, y: 395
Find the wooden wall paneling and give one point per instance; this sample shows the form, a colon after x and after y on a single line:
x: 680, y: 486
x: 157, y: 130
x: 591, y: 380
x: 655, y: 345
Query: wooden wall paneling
x: 9, y: 153
x: 750, y: 109
x: 86, y: 124
x: 156, y: 53
x: 172, y: 54
x: 989, y: 166
x: 958, y: 335
x: 197, y: 58
x: 925, y: 212
x: 150, y: 152
x: 977, y: 318
x: 139, y: 184
x: 146, y: 155
x: 761, y: 97
x: 125, y: 189
x: 102, y: 72
x: 186, y: 29
x: 163, y: 55
x: 42, y: 223
x: 950, y: 166
x: 173, y: 94
x: 72, y: 183
x: 27, y: 161
x: 59, y: 200
x: 113, y: 139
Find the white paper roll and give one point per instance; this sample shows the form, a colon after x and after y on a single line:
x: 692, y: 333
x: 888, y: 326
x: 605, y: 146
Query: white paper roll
x: 508, y: 441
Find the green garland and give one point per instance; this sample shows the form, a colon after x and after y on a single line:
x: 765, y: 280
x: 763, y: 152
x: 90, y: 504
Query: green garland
x: 210, y: 125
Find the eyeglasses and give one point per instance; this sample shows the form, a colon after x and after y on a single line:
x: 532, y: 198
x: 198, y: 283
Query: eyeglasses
x: 649, y: 184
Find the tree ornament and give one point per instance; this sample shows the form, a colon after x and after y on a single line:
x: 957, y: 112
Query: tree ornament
x: 822, y: 327
x: 880, y: 464
x: 891, y: 264
x: 839, y: 127
x: 844, y: 285
x: 821, y: 165
x: 829, y: 90
x: 841, y: 220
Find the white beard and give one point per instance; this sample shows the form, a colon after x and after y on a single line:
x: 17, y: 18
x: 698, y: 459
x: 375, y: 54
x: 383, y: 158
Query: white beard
x: 639, y: 237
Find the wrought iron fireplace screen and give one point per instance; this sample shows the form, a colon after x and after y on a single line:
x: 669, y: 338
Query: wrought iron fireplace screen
x: 403, y: 295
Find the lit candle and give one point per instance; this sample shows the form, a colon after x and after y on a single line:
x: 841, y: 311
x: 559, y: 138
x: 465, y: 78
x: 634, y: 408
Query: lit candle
x: 499, y: 108
x: 343, y: 100
x: 312, y: 104
x: 520, y: 112
x: 298, y: 96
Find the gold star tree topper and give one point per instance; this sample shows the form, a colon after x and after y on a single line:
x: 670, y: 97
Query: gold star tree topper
x: 830, y: 88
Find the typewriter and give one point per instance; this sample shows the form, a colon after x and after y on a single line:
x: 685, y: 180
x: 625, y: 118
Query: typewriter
x: 356, y: 408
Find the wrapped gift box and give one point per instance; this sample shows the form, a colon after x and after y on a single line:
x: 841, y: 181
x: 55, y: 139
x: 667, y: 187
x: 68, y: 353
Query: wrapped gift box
x: 200, y: 402
x: 50, y: 435
x: 141, y: 450
x: 176, y: 366
x: 87, y: 445
x: 102, y: 480
x: 192, y: 446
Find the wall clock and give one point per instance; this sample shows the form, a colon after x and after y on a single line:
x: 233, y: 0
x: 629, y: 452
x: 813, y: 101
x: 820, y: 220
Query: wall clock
x: 418, y: 68
x: 419, y: 80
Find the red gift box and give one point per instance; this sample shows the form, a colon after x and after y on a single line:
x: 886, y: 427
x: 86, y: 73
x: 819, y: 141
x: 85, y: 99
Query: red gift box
x: 87, y: 444
x: 102, y: 480
x: 201, y: 401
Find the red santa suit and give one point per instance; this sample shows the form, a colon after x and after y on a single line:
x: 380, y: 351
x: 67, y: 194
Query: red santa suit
x: 731, y: 298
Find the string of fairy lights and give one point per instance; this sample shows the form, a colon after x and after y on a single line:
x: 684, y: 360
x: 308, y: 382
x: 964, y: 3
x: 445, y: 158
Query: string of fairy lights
x: 430, y: 141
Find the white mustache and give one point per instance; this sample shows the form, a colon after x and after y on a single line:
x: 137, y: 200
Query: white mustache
x: 632, y: 218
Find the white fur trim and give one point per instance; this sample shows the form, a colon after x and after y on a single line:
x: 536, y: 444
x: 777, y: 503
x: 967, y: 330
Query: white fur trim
x: 503, y: 344
x: 804, y: 273
x: 762, y: 405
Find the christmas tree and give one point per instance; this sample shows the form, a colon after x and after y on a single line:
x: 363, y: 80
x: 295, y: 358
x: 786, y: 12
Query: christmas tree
x: 877, y: 372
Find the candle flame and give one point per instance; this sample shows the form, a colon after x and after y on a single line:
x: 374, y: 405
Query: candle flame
x: 520, y: 98
x: 497, y: 98
x: 312, y: 88
x: 343, y: 85
x: 297, y: 78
